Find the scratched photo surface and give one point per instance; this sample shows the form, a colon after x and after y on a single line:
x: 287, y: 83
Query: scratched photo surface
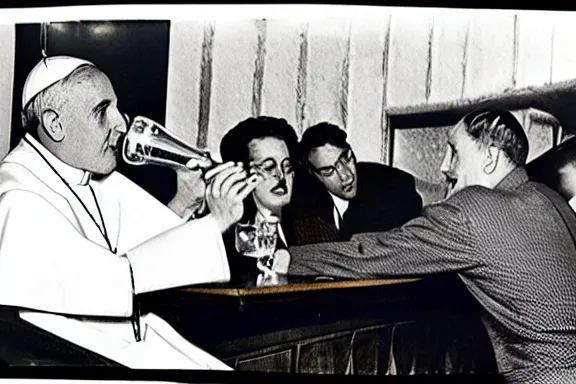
x: 396, y: 83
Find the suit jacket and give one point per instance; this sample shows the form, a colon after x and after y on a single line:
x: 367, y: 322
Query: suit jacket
x: 386, y: 198
x: 512, y: 250
x: 57, y: 267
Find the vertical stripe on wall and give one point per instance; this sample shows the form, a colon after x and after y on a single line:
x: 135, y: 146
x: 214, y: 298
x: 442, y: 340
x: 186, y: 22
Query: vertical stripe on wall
x: 345, y: 82
x: 386, y: 130
x: 7, y: 39
x: 515, y: 47
x: 301, y: 87
x: 465, y: 59
x: 259, y: 68
x: 430, y: 61
x: 184, y: 77
x: 205, y: 84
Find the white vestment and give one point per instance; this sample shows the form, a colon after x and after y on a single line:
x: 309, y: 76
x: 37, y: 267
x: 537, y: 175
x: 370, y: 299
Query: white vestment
x: 53, y: 258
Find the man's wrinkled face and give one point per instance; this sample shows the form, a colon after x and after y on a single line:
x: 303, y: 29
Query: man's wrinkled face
x: 93, y: 125
x: 336, y: 168
x: 271, y: 156
x: 462, y: 164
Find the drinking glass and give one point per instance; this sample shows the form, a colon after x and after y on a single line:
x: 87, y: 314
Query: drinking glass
x: 259, y: 241
x: 256, y: 241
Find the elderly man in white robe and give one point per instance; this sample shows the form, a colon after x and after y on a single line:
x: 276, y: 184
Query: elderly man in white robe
x: 75, y: 251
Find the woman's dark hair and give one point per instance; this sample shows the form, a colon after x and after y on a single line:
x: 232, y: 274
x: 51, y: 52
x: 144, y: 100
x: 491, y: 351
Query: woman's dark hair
x: 234, y: 144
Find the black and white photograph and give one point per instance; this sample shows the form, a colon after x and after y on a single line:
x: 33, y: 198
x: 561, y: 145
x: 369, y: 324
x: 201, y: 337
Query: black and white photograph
x: 298, y: 191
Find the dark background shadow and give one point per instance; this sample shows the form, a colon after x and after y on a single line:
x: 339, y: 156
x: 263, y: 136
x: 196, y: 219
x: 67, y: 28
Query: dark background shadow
x: 134, y: 55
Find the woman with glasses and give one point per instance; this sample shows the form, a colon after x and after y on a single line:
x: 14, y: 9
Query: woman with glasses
x: 268, y: 146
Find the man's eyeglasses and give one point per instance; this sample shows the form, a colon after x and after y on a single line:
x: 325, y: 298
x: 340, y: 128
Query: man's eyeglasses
x: 346, y: 158
x: 270, y: 168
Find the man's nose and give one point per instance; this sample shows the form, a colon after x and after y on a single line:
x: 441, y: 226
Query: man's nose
x: 344, y: 173
x: 277, y: 173
x: 445, y: 167
x: 121, y: 125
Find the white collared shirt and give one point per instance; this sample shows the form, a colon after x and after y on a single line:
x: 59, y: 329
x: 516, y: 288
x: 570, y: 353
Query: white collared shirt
x: 572, y: 203
x: 340, y: 207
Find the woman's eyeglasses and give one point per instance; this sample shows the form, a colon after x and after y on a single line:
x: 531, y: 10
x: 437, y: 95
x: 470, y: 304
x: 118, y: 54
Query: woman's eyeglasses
x: 269, y: 168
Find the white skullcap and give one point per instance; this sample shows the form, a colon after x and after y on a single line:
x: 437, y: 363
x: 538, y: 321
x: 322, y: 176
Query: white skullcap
x: 47, y: 72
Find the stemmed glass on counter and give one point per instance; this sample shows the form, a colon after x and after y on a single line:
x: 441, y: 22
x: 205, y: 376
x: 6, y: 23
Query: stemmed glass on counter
x: 259, y: 241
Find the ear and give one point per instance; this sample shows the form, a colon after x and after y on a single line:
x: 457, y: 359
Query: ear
x: 52, y: 125
x: 491, y: 158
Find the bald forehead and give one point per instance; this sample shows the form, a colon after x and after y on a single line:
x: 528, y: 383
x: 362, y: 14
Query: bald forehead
x: 86, y: 75
x: 86, y: 85
x: 90, y: 82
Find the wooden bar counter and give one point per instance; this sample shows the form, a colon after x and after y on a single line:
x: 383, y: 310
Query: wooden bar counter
x: 374, y: 327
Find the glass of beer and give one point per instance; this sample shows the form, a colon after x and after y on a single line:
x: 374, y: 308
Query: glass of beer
x: 256, y: 240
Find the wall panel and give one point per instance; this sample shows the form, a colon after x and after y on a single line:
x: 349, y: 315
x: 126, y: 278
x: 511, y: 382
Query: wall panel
x: 564, y: 49
x: 327, y: 54
x: 534, y: 50
x: 409, y: 59
x: 7, y: 38
x: 365, y: 101
x: 347, y: 70
x: 279, y: 92
x: 447, y: 66
x: 235, y: 47
x: 184, y: 71
x: 490, y: 54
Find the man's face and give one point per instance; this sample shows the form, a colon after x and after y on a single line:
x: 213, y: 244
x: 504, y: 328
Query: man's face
x: 271, y: 156
x: 92, y: 124
x: 336, y: 168
x: 462, y: 164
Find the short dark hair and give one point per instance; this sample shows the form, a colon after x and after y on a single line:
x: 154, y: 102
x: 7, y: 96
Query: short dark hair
x: 234, y: 144
x: 498, y: 128
x: 321, y: 134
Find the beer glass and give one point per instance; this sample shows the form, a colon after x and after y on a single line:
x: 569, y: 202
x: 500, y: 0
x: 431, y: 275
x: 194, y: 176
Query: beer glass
x: 148, y: 142
x: 256, y: 240
x: 259, y: 241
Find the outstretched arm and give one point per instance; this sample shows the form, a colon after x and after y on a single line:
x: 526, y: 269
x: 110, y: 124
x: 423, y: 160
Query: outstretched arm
x: 439, y: 241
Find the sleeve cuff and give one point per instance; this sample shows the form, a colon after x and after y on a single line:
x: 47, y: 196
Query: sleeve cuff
x: 192, y: 253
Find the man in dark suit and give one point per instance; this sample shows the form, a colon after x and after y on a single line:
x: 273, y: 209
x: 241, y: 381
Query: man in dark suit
x: 357, y: 197
x: 510, y: 240
x: 557, y: 169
